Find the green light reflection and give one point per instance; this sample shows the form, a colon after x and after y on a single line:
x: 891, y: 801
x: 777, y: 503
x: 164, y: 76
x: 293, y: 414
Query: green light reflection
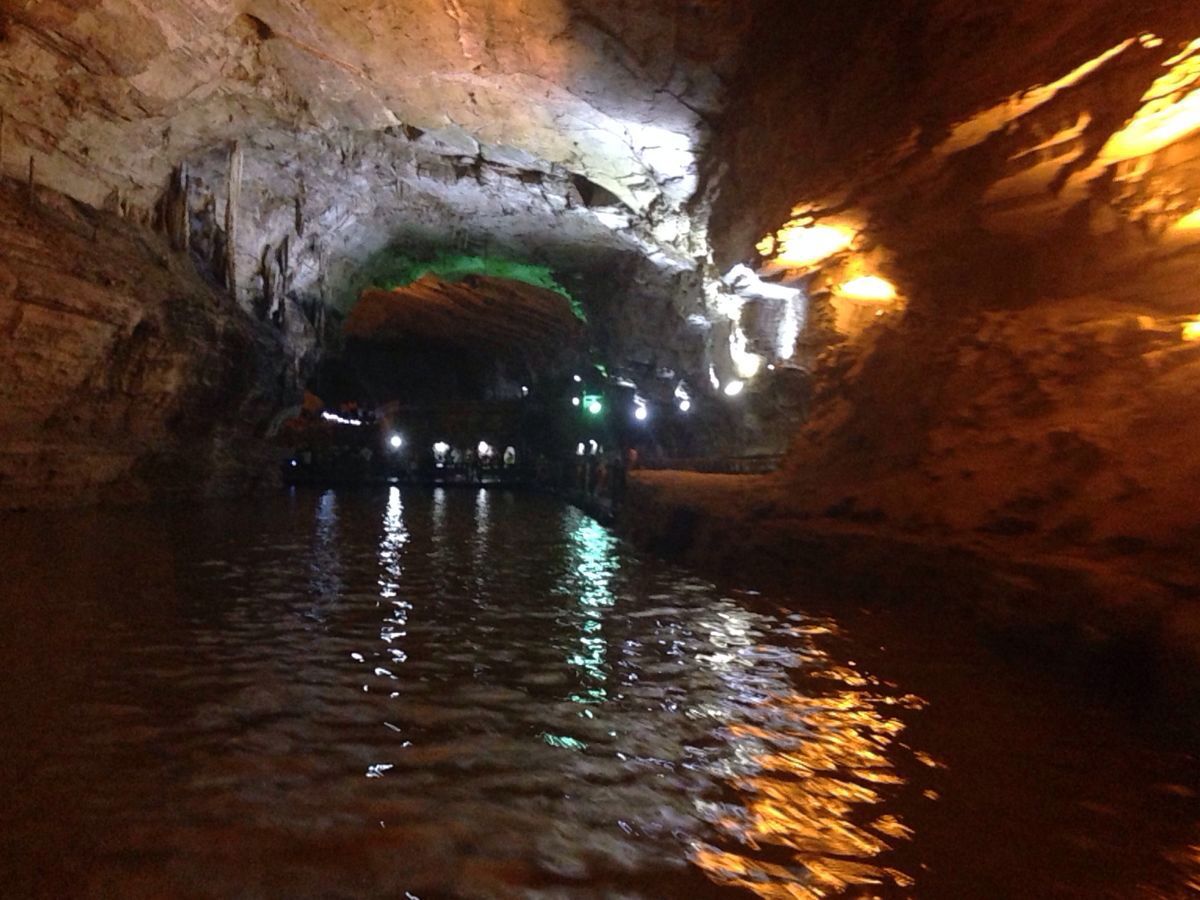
x: 594, y: 565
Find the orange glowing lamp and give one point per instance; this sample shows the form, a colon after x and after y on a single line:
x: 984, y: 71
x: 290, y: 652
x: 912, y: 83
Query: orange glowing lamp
x: 869, y: 289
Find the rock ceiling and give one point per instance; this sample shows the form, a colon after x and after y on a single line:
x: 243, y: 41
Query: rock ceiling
x: 479, y: 312
x: 561, y: 132
x: 109, y: 94
x: 601, y: 139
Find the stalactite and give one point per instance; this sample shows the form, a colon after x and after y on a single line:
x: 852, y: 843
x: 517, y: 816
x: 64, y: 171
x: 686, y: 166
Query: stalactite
x: 232, y: 201
x: 301, y: 199
x: 176, y: 211
x: 269, y: 278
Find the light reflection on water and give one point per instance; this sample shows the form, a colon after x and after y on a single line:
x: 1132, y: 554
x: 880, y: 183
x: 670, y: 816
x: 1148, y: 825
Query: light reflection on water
x: 456, y: 693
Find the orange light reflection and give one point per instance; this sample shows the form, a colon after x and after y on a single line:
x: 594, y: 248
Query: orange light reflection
x: 811, y: 769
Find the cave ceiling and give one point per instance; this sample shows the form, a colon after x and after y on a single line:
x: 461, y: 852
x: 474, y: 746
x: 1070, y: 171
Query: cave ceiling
x: 617, y: 91
x: 558, y: 132
x: 637, y: 149
x: 109, y: 95
x: 477, y: 314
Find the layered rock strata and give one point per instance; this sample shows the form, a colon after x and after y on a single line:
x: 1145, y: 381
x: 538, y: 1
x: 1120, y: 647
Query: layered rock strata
x: 115, y: 356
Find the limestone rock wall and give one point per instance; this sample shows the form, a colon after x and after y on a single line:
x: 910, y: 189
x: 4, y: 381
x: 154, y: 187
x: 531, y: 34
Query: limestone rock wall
x: 1028, y: 175
x: 114, y: 354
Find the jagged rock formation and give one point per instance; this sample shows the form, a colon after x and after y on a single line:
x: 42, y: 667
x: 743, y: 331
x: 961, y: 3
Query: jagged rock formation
x: 115, y: 355
x: 107, y: 95
x: 1022, y: 436
x: 1034, y: 206
x: 295, y: 151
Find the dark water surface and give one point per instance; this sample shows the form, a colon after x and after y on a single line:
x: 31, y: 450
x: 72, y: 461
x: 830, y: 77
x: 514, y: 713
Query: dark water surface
x: 455, y: 693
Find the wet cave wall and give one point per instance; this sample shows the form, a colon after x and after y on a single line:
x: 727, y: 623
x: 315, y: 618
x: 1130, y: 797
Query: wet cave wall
x: 114, y: 353
x: 1026, y: 174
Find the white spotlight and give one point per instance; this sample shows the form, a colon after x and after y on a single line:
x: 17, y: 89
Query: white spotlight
x: 396, y: 441
x: 734, y: 388
x: 641, y: 414
x: 575, y: 401
x: 578, y: 379
x: 685, y: 405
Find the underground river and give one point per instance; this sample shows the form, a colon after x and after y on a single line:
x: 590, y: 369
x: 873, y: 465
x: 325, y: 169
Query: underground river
x: 460, y: 693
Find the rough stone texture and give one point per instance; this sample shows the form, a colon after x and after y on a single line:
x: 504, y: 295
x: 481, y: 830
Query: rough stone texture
x: 1022, y: 439
x: 478, y: 314
x: 296, y: 149
x: 321, y: 218
x: 1036, y: 395
x: 109, y: 93
x: 114, y: 355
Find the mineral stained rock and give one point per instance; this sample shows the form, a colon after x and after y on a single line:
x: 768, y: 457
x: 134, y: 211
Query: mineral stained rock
x: 114, y: 354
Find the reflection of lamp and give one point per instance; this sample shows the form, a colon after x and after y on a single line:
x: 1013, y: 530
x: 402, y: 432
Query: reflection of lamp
x: 734, y: 388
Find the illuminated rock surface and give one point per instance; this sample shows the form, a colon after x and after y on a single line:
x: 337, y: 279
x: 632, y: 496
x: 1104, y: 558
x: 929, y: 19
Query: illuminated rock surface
x: 114, y: 355
x: 493, y: 314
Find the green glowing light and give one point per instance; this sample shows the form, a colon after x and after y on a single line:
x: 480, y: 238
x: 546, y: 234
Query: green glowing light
x: 593, y: 404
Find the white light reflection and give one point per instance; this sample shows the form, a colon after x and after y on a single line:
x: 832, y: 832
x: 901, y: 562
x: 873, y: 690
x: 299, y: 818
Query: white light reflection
x: 325, y: 565
x: 391, y: 552
x: 341, y: 420
x: 395, y: 536
x: 483, y: 526
x: 438, y: 513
